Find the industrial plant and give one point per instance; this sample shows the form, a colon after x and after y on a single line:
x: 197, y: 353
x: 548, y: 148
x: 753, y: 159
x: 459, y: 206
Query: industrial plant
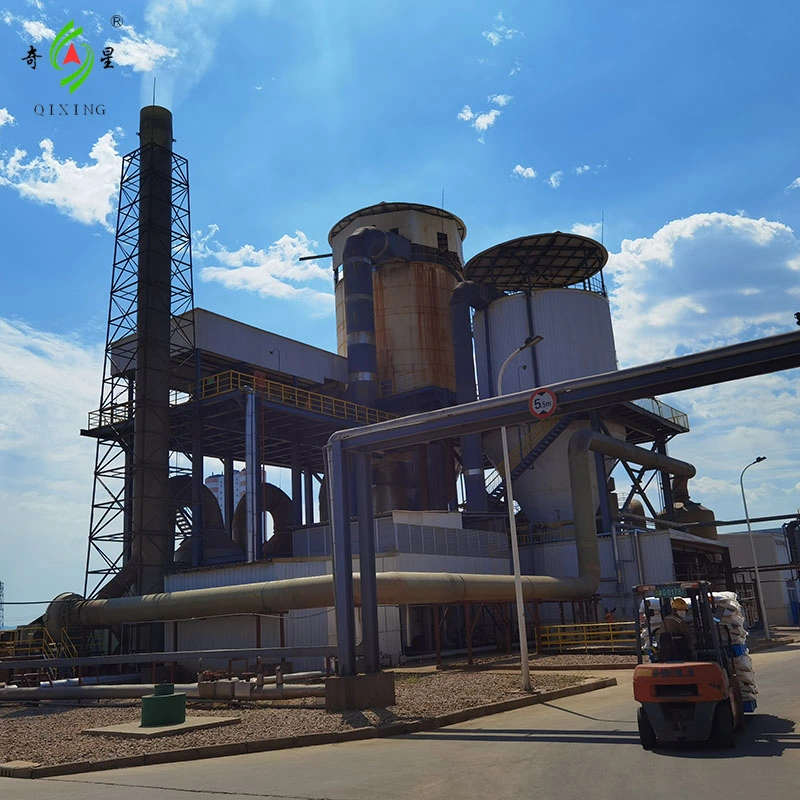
x: 395, y: 540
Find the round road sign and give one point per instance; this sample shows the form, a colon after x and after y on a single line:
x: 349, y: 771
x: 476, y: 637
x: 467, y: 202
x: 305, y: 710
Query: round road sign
x: 542, y: 403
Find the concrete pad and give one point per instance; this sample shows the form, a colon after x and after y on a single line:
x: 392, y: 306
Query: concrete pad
x: 133, y: 730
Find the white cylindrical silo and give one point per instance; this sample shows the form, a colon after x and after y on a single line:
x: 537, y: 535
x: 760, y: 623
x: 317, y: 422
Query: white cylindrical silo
x: 545, y: 286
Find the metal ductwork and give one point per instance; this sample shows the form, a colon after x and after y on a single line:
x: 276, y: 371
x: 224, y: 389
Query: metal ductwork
x: 468, y: 295
x: 151, y: 539
x: 365, y: 248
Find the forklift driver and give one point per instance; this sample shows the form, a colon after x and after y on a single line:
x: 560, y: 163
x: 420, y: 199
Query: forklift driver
x: 677, y: 643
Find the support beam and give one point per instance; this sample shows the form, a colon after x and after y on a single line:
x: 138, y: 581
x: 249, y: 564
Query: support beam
x: 227, y: 497
x: 255, y: 532
x: 366, y: 549
x: 297, y: 484
x: 308, y: 494
x: 338, y: 499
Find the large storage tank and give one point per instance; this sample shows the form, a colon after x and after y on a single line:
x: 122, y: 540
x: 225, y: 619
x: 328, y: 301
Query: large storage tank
x: 413, y: 337
x: 413, y: 341
x: 547, y: 285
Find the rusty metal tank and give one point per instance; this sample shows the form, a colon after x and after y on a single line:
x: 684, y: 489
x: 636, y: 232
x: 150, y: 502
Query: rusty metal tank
x: 413, y: 336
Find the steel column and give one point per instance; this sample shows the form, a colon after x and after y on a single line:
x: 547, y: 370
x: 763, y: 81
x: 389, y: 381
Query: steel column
x: 297, y: 484
x: 309, y: 495
x: 666, y: 481
x: 366, y: 550
x: 228, y: 498
x: 338, y: 500
x: 255, y: 534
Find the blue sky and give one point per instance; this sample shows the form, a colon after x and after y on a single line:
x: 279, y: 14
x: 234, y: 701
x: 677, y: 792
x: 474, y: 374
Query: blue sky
x: 677, y: 121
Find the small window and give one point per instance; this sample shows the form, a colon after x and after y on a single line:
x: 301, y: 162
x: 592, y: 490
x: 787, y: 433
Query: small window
x: 441, y: 241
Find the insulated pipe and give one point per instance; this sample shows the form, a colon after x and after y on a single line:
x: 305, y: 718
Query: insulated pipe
x: 393, y: 588
x: 363, y: 249
x: 467, y: 295
x: 137, y: 690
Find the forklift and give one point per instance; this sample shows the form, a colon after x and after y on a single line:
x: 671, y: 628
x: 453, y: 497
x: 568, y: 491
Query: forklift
x: 688, y: 691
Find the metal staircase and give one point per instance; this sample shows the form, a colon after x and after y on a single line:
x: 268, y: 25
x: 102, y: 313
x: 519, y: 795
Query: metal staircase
x: 540, y: 438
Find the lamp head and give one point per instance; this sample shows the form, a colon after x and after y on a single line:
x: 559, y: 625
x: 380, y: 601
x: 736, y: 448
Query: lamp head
x: 760, y: 459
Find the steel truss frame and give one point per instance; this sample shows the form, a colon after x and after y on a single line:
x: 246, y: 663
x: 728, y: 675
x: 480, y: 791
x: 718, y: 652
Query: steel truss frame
x: 110, y: 524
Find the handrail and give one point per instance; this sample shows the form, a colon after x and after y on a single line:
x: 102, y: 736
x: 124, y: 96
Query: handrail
x: 618, y: 636
x: 273, y: 391
x: 276, y: 392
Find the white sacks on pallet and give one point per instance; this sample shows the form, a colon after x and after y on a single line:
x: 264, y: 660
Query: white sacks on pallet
x: 729, y: 611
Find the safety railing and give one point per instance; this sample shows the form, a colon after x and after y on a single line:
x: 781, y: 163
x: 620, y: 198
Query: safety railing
x: 291, y: 396
x: 617, y: 637
x: 33, y: 641
x: 661, y: 409
x: 110, y: 415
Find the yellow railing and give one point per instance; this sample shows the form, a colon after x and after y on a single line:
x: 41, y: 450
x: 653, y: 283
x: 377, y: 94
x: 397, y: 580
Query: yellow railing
x: 291, y: 396
x: 34, y: 641
x: 619, y: 637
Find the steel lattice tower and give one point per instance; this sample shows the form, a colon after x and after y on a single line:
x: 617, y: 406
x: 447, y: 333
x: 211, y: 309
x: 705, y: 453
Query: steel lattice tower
x: 149, y: 368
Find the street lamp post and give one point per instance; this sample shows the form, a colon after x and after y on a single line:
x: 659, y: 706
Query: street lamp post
x: 512, y: 525
x: 761, y: 604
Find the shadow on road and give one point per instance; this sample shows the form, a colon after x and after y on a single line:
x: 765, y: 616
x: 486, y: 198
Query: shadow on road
x: 764, y: 735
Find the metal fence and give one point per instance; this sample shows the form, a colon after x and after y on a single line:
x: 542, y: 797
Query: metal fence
x: 616, y: 637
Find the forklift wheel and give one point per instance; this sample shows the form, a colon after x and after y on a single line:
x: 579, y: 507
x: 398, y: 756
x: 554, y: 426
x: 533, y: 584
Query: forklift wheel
x: 647, y: 735
x: 722, y: 731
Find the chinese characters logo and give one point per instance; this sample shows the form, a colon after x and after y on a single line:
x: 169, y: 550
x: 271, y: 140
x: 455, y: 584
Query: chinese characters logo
x: 78, y: 69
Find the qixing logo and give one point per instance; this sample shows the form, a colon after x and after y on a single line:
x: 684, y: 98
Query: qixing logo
x: 75, y: 61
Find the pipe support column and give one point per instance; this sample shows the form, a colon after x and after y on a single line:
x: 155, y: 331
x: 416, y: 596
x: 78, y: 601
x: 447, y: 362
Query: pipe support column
x: 338, y: 499
x: 366, y: 550
x: 255, y: 533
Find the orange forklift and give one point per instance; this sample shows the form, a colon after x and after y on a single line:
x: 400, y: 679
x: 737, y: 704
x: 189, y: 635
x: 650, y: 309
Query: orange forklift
x: 688, y: 691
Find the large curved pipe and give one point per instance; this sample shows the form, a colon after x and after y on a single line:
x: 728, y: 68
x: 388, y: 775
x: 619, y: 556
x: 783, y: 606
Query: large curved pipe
x: 363, y: 249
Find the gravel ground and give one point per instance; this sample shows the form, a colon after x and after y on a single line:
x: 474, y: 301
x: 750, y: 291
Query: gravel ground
x: 571, y: 660
x: 51, y: 734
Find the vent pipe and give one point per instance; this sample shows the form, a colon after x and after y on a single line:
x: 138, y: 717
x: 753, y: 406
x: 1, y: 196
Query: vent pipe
x: 151, y: 543
x: 365, y: 248
x: 467, y: 295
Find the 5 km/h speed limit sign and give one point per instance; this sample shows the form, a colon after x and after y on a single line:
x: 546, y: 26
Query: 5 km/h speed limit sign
x: 542, y: 403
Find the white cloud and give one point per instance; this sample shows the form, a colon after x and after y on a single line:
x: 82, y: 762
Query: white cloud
x: 690, y: 287
x: 5, y: 117
x: 485, y: 121
x: 580, y: 170
x: 273, y: 272
x: 500, y: 99
x: 142, y: 53
x: 554, y: 181
x: 86, y: 192
x: 193, y: 28
x: 500, y: 32
x: 524, y: 172
x: 795, y: 184
x: 37, y: 30
x: 481, y: 121
x: 516, y: 66
x: 592, y: 230
x: 48, y: 384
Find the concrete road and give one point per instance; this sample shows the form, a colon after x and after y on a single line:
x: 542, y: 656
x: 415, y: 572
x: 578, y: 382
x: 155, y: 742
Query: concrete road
x: 580, y: 747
